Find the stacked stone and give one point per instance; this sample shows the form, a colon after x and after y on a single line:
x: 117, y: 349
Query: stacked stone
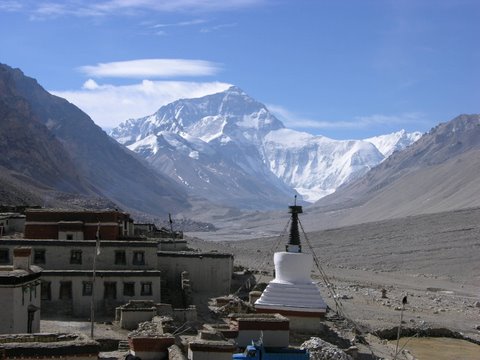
x: 236, y: 305
x: 146, y: 329
x: 322, y: 350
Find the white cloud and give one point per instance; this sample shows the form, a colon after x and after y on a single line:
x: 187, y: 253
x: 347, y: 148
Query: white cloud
x: 152, y: 68
x: 177, y: 5
x: 10, y: 6
x: 90, y: 85
x: 217, y: 27
x: 181, y: 23
x: 39, y: 9
x: 294, y: 121
x: 108, y: 105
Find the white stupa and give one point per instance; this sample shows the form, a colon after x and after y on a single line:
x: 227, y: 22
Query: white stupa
x: 293, y: 293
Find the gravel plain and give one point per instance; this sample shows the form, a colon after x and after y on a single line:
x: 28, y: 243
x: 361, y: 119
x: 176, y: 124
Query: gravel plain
x: 432, y: 259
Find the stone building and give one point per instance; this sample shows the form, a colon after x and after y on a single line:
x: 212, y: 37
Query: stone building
x: 11, y: 223
x: 77, y: 225
x: 209, y: 272
x: 127, y: 268
x: 20, y: 294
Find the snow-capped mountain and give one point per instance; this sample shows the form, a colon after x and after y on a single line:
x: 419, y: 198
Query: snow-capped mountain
x: 211, y: 145
x: 316, y: 165
x: 396, y: 141
x: 230, y: 148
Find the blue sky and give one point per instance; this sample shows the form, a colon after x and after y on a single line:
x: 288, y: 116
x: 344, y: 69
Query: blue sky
x: 343, y: 69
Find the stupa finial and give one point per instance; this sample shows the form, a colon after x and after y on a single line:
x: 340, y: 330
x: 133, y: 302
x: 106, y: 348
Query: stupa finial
x: 294, y: 237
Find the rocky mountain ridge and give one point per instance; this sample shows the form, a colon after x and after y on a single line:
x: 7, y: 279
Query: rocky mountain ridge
x: 437, y: 173
x: 57, y: 152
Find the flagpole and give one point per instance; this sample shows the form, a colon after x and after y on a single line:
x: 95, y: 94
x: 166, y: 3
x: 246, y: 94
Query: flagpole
x: 399, y: 331
x: 92, y: 300
x: 171, y: 230
x: 92, y: 303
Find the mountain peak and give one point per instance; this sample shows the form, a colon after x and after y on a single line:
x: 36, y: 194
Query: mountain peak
x: 389, y: 143
x: 232, y: 129
x: 235, y: 90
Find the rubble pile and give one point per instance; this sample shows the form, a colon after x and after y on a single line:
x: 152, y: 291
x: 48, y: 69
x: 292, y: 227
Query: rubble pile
x: 235, y: 305
x: 146, y: 329
x: 322, y: 350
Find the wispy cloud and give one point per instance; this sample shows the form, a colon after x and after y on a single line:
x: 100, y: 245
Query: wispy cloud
x: 11, y: 6
x: 181, y: 23
x: 151, y: 68
x: 161, y: 29
x: 295, y: 121
x: 54, y: 8
x: 217, y: 27
x: 178, y: 5
x: 108, y: 105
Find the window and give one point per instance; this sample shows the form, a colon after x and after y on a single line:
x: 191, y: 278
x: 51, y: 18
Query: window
x: 110, y: 290
x: 120, y: 258
x: 39, y: 256
x: 87, y: 289
x: 46, y: 290
x: 69, y: 236
x: 146, y: 288
x: 128, y: 289
x: 138, y: 258
x: 76, y: 257
x: 4, y: 256
x: 65, y: 290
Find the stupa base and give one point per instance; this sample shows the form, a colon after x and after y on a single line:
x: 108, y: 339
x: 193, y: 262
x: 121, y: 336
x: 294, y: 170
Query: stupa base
x: 301, y: 321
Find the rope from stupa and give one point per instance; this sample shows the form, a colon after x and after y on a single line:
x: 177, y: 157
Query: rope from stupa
x: 331, y: 289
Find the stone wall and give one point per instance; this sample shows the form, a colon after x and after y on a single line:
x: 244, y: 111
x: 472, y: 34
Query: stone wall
x: 79, y: 304
x: 15, y: 303
x: 210, y: 273
x: 57, y: 253
x: 135, y: 312
x: 48, y: 346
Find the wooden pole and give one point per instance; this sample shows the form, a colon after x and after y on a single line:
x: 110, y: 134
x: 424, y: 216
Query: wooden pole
x: 399, y: 330
x: 92, y: 300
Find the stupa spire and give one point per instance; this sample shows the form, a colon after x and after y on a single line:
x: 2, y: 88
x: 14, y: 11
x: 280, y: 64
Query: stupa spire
x: 294, y: 245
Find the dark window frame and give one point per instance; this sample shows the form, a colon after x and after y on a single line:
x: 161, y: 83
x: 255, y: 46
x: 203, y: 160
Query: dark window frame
x: 87, y: 288
x: 146, y: 289
x: 128, y: 288
x: 138, y: 258
x: 112, y: 285
x: 39, y: 256
x: 65, y: 295
x: 5, y: 256
x: 76, y: 256
x: 120, y: 257
x: 46, y: 290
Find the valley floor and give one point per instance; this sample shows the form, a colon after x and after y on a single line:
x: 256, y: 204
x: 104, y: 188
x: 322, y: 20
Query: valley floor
x: 433, y: 259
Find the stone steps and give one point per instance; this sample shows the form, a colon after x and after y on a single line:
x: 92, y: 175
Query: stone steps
x: 123, y: 345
